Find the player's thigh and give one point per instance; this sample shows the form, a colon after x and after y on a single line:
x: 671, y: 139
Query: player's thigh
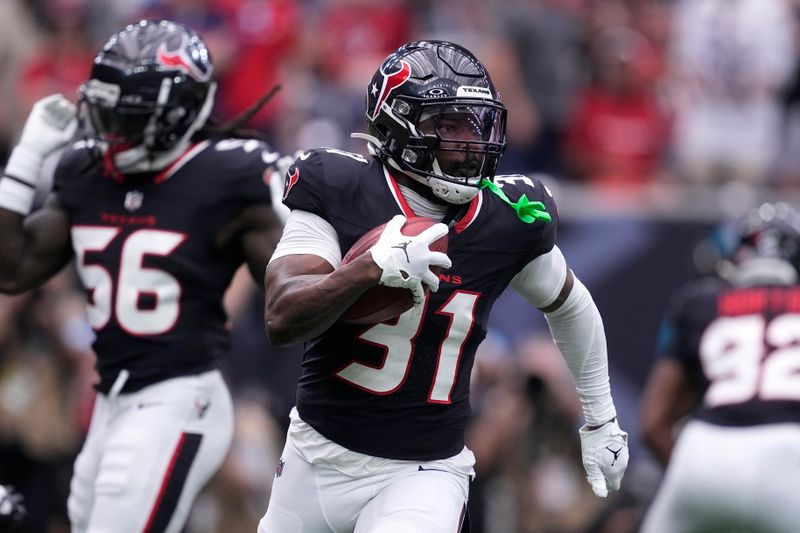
x: 429, y: 501
x: 211, y: 425
x: 87, y: 464
x: 312, y: 498
x: 662, y: 513
x: 707, y: 485
x: 777, y: 490
x: 162, y: 449
x: 295, y: 504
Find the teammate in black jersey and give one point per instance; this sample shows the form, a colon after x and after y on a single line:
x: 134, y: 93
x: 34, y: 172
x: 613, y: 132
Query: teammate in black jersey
x: 376, y: 442
x: 158, y: 212
x: 730, y: 358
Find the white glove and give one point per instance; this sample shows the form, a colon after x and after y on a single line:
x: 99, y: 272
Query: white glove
x: 406, y: 260
x: 50, y: 125
x: 605, y: 456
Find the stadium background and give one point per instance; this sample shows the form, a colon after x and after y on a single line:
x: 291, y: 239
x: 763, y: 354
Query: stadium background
x: 653, y: 121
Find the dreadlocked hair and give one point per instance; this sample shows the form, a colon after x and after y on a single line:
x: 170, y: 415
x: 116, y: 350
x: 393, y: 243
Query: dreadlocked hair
x: 235, y: 127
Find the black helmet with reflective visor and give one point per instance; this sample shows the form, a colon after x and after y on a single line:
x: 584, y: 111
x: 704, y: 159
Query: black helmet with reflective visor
x: 434, y: 113
x: 149, y: 91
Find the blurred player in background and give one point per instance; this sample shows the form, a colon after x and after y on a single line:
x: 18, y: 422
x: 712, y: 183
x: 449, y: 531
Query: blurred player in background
x: 376, y: 442
x: 159, y: 209
x: 729, y: 357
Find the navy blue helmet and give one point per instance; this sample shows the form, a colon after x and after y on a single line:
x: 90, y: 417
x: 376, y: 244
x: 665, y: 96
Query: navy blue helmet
x: 150, y: 89
x: 434, y: 113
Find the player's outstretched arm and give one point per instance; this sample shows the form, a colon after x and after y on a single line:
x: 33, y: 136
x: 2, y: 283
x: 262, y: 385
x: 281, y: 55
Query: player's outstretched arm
x: 669, y: 395
x: 36, y: 246
x: 577, y: 329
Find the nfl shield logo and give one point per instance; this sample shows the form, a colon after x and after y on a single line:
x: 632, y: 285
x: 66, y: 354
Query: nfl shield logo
x: 133, y: 200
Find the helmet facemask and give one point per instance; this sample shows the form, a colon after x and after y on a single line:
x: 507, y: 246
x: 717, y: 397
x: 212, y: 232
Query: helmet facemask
x: 450, y: 144
x: 141, y: 135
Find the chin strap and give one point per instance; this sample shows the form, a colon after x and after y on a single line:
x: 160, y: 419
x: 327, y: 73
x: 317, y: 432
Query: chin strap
x: 527, y: 211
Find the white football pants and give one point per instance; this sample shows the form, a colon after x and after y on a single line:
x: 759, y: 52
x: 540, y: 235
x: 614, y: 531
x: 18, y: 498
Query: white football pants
x: 730, y: 479
x: 321, y: 487
x: 148, y: 454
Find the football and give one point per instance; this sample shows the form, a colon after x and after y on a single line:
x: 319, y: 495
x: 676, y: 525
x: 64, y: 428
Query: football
x: 381, y: 303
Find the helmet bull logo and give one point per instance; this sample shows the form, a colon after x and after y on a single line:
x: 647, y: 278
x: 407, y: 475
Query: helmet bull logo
x: 180, y: 60
x: 391, y: 81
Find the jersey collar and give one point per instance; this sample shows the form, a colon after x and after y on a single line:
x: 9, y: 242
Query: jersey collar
x: 471, y: 214
x: 394, y: 188
x: 176, y: 165
x: 463, y: 223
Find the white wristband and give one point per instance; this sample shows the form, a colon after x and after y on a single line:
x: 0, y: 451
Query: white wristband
x: 16, y: 196
x: 25, y: 164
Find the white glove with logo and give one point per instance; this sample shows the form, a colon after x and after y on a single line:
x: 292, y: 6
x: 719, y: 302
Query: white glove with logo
x: 50, y: 125
x: 406, y: 260
x: 605, y: 456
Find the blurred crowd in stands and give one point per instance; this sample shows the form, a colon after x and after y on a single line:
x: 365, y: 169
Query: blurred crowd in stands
x: 604, y: 91
x: 615, y: 93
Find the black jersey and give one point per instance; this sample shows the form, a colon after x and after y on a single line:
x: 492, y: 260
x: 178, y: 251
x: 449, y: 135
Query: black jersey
x: 148, y: 255
x: 400, y: 389
x: 740, y: 347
